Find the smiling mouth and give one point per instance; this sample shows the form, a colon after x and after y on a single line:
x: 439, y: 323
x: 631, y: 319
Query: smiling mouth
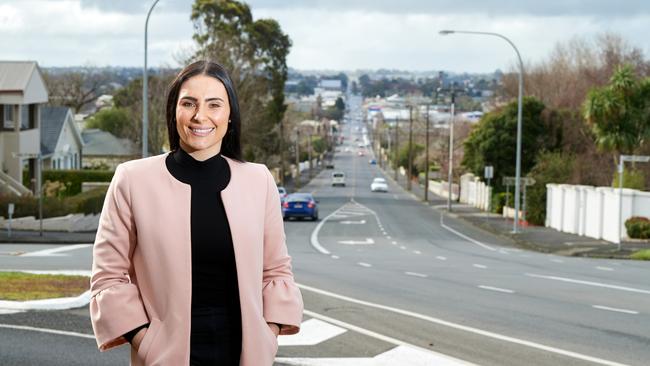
x: 201, y: 131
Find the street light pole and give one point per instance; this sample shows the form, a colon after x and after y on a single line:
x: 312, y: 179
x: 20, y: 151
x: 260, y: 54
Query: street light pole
x: 145, y: 92
x: 426, y: 161
x: 396, y: 163
x: 515, y: 227
x: 451, y: 151
x: 410, y: 154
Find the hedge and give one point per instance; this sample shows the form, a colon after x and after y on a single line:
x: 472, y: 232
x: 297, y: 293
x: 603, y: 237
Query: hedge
x: 90, y: 202
x: 638, y: 227
x: 72, y: 179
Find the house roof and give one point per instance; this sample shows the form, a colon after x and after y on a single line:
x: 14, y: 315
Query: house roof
x: 103, y: 143
x: 52, y: 120
x: 21, y: 82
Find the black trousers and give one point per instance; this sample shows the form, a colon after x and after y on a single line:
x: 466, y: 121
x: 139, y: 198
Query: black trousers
x: 215, y: 338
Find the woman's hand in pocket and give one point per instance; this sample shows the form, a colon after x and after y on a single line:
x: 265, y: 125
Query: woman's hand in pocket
x: 274, y: 328
x: 137, y: 339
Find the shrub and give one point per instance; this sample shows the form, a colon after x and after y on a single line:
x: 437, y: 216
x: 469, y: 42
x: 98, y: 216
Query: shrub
x: 499, y: 200
x: 90, y: 202
x: 642, y: 255
x: 633, y: 179
x: 550, y: 168
x: 72, y: 179
x: 638, y: 227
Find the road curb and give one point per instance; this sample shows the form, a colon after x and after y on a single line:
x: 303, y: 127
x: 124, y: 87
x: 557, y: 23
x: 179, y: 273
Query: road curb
x: 61, y: 303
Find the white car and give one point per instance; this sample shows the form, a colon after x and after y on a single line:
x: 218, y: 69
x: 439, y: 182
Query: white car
x: 338, y: 179
x: 379, y: 185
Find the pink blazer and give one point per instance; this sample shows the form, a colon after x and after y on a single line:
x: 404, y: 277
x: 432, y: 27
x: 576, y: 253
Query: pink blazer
x: 141, y: 269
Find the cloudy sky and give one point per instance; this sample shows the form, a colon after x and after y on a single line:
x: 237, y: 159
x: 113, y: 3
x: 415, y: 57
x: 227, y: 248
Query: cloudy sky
x: 326, y: 34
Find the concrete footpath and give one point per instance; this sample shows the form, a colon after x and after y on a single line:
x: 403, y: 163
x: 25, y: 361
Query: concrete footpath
x: 538, y: 238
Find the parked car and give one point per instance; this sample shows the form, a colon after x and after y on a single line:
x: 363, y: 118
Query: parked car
x: 338, y: 179
x: 300, y: 205
x: 283, y: 193
x: 372, y: 162
x: 379, y: 185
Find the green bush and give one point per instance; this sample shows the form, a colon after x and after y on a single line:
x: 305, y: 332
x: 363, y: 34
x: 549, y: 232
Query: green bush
x: 72, y: 179
x: 90, y: 202
x: 638, y: 227
x: 633, y: 179
x: 550, y: 168
x: 642, y: 255
x: 499, y: 200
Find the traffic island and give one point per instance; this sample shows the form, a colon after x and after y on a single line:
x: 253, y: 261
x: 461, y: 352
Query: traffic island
x: 43, y: 290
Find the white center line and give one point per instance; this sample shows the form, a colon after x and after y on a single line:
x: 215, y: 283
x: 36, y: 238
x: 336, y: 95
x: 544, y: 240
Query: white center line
x: 394, y: 243
x: 388, y: 237
x: 417, y: 252
x: 605, y: 268
x: 402, y: 247
x: 615, y: 309
x: 364, y: 264
x: 478, y: 331
x: 415, y: 274
x: 480, y: 266
x: 497, y: 289
x: 589, y: 283
x: 335, y: 256
x: 441, y: 258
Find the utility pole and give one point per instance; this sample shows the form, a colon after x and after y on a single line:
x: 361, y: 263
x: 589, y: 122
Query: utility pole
x: 281, y: 153
x: 426, y: 160
x: 309, y: 153
x: 451, y: 150
x: 410, y: 155
x: 297, y: 183
x: 396, y: 164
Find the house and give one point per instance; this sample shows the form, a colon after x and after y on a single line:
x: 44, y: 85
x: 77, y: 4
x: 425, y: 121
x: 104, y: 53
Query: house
x: 61, y: 141
x: 104, y: 150
x: 22, y: 91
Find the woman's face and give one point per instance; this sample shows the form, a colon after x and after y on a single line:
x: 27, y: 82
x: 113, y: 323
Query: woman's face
x: 202, y: 114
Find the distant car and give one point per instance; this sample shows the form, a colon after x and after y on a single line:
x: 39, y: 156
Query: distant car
x: 283, y: 193
x: 338, y: 179
x: 379, y: 185
x: 329, y: 165
x: 372, y: 162
x: 361, y: 153
x: 300, y: 205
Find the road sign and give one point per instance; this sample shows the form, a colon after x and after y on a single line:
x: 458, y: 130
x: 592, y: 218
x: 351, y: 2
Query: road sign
x: 489, y: 172
x: 509, y: 181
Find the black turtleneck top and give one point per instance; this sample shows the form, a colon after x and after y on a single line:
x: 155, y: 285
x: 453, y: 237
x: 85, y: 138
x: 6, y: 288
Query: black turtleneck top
x: 214, y: 272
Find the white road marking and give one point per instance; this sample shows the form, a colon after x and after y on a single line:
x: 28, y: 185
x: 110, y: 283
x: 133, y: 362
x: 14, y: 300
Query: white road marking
x: 415, y: 274
x: 465, y: 236
x: 348, y: 222
x: 615, y: 309
x: 388, y: 237
x: 479, y: 266
x: 394, y: 243
x: 368, y: 241
x: 364, y: 264
x: 55, y: 252
x: 402, y: 247
x: 45, y: 330
x: 497, y: 289
x: 589, y: 283
x: 441, y: 258
x: 605, y: 268
x: 404, y: 353
x: 452, y: 325
x: 557, y: 260
x: 335, y: 257
x: 312, y: 331
x: 417, y: 252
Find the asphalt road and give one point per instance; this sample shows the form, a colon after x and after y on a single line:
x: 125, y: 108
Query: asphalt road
x: 388, y: 280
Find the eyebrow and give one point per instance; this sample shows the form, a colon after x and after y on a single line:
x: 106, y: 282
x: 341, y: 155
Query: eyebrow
x: 206, y: 99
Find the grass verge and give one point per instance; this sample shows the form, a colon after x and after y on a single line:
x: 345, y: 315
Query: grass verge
x: 642, y: 255
x: 20, y: 286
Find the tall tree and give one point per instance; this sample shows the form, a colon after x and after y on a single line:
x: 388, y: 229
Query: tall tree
x: 75, y: 89
x: 619, y: 112
x: 254, y: 52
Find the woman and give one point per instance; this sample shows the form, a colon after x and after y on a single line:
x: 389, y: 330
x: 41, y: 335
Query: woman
x: 190, y: 264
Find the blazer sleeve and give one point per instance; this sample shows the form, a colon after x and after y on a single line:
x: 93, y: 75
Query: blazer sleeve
x: 281, y: 297
x: 115, y: 306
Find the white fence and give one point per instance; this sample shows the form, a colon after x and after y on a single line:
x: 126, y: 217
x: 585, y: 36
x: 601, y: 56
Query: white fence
x: 475, y: 192
x: 441, y: 188
x: 593, y: 211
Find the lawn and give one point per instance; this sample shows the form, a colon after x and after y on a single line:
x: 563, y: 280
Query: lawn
x: 20, y: 286
x: 643, y: 255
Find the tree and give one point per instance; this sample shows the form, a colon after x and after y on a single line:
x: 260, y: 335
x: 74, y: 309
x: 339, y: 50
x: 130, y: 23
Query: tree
x: 114, y: 120
x: 254, y: 53
x: 619, y: 112
x: 493, y: 140
x: 551, y: 167
x: 339, y: 104
x: 74, y: 89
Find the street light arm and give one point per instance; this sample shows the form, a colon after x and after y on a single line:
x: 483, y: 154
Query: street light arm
x: 145, y: 93
x: 521, y: 64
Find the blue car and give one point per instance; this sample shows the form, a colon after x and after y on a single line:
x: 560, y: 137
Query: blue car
x: 300, y: 205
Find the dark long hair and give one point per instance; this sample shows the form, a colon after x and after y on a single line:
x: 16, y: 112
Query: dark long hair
x: 231, y: 143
